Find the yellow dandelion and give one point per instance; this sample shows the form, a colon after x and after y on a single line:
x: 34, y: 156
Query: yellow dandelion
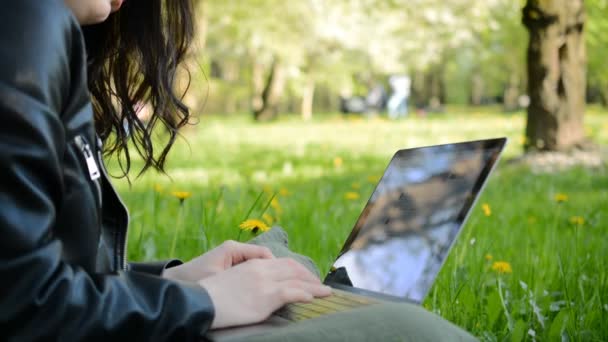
x: 284, y: 192
x: 523, y: 140
x: 486, y: 209
x: 373, y: 179
x: 338, y: 162
x: 356, y: 185
x: 158, y: 188
x: 559, y: 198
x: 488, y: 257
x: 276, y: 205
x: 502, y: 267
x: 254, y: 225
x: 181, y: 195
x: 268, y: 219
x: 577, y: 220
x: 351, y: 195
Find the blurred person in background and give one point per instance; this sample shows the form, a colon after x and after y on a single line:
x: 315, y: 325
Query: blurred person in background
x: 400, y: 91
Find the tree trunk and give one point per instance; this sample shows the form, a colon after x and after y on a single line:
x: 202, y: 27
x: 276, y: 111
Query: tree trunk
x: 203, y: 26
x: 273, y: 90
x: 556, y: 74
x: 477, y: 88
x: 604, y: 94
x: 257, y: 85
x: 419, y: 93
x: 511, y: 93
x: 436, y: 89
x: 308, y: 100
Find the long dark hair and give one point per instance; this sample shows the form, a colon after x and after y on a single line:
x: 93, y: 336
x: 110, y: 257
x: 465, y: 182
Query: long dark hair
x: 133, y: 58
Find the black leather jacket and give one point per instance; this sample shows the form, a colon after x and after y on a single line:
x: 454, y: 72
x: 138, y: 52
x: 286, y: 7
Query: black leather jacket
x: 63, y: 274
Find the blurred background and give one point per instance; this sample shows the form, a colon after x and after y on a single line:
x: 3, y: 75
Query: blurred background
x: 300, y: 105
x: 272, y: 58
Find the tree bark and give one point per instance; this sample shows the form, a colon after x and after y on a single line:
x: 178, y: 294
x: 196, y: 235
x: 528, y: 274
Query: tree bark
x: 273, y: 90
x: 202, y: 26
x: 556, y: 74
x: 436, y: 88
x: 477, y: 88
x: 308, y: 100
x: 257, y: 85
x: 604, y: 94
x: 419, y: 93
x: 511, y: 94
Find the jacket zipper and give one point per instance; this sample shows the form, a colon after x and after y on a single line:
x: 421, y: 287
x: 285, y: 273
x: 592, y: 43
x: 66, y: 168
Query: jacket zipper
x: 92, y: 167
x: 122, y: 235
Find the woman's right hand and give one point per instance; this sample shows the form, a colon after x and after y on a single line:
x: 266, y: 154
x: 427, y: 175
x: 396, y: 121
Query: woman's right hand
x: 251, y: 291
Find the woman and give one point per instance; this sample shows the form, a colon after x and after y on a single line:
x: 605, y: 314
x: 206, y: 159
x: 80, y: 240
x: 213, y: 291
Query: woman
x: 63, y: 227
x: 66, y: 94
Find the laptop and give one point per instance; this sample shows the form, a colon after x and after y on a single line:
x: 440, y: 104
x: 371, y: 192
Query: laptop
x: 403, y: 235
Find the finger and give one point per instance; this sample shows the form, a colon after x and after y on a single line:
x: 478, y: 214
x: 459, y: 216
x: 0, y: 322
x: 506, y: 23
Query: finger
x: 291, y: 294
x: 316, y: 290
x: 301, y: 291
x: 287, y: 269
x: 240, y: 252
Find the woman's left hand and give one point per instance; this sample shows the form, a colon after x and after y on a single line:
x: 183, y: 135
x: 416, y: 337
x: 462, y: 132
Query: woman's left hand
x: 222, y: 257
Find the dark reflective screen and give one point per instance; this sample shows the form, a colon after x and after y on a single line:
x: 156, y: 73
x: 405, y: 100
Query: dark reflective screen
x: 415, y: 213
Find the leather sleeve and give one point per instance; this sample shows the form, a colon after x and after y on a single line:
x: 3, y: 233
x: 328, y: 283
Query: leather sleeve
x: 41, y: 296
x: 155, y: 267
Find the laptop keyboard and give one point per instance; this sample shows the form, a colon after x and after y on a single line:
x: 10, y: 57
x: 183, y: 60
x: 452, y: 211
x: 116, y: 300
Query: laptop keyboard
x: 338, y: 301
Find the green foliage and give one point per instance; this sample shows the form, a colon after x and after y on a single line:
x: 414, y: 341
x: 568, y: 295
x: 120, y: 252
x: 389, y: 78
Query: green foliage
x: 558, y: 287
x: 329, y: 42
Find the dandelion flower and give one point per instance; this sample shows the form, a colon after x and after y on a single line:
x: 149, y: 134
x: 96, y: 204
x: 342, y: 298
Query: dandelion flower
x: 284, y: 192
x: 486, y: 209
x: 351, y: 195
x: 488, y: 257
x: 577, y: 220
x: 502, y: 267
x: 158, y: 188
x: 523, y: 140
x: 181, y: 195
x: 559, y: 198
x: 267, y: 218
x: 254, y: 225
x: 373, y: 179
x: 338, y: 162
x: 276, y: 205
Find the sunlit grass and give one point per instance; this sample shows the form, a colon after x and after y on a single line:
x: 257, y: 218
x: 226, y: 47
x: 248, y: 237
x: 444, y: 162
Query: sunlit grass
x: 529, y: 264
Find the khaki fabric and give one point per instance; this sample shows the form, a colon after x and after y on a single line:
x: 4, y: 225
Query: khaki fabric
x: 277, y: 241
x: 379, y: 322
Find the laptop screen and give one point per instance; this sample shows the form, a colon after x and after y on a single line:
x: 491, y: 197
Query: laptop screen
x: 413, y: 217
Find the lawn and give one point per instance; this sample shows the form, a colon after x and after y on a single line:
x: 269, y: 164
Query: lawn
x: 531, y: 266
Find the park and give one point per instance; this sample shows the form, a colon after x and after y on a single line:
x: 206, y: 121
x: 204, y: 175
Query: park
x: 270, y: 144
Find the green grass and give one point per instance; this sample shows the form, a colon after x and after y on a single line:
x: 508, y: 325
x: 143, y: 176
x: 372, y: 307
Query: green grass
x: 558, y: 287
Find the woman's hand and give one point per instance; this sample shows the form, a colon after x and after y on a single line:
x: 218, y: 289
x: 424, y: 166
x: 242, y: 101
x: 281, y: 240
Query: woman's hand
x: 251, y: 291
x: 222, y: 257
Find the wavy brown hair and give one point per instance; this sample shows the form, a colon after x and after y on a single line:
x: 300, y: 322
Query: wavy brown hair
x: 133, y: 58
